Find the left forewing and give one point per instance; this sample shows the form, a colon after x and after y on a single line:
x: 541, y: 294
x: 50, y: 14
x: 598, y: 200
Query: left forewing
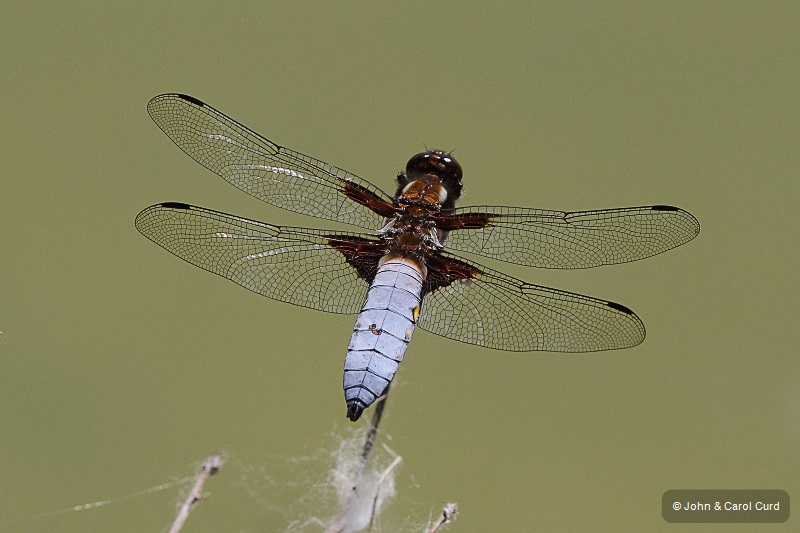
x: 274, y: 174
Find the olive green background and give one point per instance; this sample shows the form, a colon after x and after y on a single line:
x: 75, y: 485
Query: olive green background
x: 122, y: 366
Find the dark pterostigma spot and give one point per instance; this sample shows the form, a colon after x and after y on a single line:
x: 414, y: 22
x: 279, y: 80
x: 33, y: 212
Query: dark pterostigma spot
x: 619, y: 307
x: 664, y: 208
x: 191, y: 99
x: 176, y: 205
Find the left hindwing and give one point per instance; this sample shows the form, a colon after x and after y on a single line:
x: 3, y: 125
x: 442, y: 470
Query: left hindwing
x: 325, y: 270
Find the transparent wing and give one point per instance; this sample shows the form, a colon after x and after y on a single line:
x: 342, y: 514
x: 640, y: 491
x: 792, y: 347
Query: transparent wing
x: 561, y: 239
x: 476, y: 305
x: 294, y: 265
x: 274, y: 174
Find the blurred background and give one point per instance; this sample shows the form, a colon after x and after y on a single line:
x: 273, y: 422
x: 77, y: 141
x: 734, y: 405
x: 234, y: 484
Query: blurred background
x: 124, y: 367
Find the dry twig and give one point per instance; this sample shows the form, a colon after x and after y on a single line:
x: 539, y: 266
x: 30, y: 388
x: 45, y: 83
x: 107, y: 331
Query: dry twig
x: 210, y: 467
x: 373, y: 428
x: 448, y: 515
x: 386, y: 472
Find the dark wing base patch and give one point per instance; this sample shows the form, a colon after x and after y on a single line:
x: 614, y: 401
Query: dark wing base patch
x: 362, y: 254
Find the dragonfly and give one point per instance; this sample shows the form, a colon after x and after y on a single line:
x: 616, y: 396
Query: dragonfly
x: 400, y: 270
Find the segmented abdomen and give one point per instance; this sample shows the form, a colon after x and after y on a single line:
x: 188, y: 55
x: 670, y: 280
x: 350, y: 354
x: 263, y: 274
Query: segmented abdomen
x: 381, y: 334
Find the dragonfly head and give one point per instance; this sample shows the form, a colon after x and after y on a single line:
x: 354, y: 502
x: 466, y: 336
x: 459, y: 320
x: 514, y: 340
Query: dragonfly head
x: 435, y: 163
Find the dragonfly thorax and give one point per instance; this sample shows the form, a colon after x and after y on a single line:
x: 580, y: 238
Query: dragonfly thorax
x: 411, y: 237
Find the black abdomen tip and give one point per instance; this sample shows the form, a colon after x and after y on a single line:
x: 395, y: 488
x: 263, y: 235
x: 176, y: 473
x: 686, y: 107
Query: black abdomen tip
x: 191, y: 99
x: 354, y: 410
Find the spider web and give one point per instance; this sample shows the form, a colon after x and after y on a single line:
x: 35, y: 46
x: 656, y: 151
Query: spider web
x: 308, y: 490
